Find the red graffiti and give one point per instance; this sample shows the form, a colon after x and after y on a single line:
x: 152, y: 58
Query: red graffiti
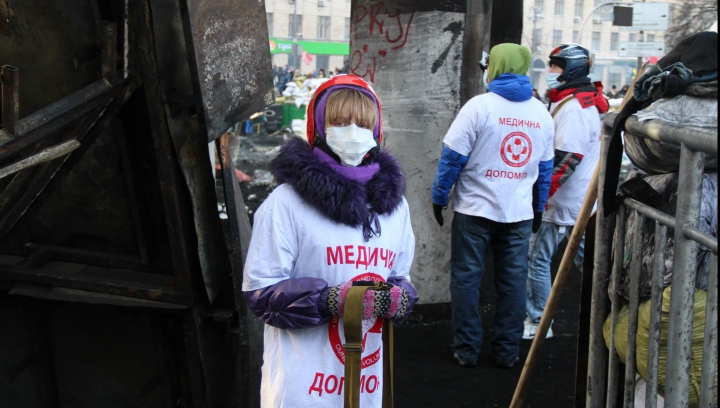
x: 369, y: 71
x: 394, y: 34
x: 374, y: 11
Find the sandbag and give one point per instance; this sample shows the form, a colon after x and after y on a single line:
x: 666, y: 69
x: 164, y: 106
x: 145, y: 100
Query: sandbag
x: 654, y: 157
x: 666, y: 185
x: 642, y: 339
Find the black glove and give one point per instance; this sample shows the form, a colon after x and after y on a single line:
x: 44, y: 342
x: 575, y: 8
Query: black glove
x: 437, y: 209
x: 537, y: 220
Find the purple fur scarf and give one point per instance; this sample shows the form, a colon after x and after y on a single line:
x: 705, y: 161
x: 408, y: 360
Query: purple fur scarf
x: 336, y: 197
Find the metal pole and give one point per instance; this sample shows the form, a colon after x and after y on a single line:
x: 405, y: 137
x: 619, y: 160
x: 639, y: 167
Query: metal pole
x: 634, y: 303
x: 597, y: 354
x: 683, y: 279
x: 640, y: 39
x: 616, y: 304
x: 710, y: 340
x: 294, y: 35
x: 653, y: 358
x: 582, y: 26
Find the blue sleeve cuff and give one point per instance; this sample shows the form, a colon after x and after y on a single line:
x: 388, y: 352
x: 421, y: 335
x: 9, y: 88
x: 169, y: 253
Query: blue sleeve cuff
x: 449, y: 167
x: 543, y: 181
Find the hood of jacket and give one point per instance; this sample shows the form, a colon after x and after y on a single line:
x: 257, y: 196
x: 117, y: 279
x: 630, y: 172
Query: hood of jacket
x: 513, y: 87
x: 340, y: 199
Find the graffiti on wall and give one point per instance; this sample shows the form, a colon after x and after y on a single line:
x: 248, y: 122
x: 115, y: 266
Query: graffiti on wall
x: 382, y: 31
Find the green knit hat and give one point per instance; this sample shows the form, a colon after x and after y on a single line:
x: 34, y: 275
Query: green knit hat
x: 508, y: 58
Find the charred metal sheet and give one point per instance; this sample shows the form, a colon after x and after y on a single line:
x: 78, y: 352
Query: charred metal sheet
x: 229, y: 59
x: 82, y: 296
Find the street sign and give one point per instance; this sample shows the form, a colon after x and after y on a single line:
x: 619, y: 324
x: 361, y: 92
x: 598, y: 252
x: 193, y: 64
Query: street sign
x: 641, y: 49
x: 649, y: 17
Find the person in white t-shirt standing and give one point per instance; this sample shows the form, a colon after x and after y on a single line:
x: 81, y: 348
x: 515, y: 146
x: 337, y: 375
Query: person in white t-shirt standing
x: 337, y: 217
x: 575, y: 104
x: 497, y: 151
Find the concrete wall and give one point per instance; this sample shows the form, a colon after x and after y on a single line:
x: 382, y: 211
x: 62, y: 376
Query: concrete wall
x: 412, y: 56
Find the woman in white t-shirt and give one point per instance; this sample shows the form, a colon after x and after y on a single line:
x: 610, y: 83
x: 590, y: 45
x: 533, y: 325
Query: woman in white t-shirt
x: 338, y: 216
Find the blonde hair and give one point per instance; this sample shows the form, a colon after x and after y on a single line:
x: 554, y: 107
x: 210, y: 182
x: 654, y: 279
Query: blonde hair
x: 361, y: 109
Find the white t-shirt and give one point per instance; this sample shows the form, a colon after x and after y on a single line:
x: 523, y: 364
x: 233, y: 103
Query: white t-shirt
x: 505, y: 142
x: 305, y: 367
x: 577, y: 130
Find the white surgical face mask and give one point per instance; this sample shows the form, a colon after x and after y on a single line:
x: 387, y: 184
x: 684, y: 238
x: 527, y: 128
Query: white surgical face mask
x: 351, y: 143
x: 485, y: 77
x: 552, y: 80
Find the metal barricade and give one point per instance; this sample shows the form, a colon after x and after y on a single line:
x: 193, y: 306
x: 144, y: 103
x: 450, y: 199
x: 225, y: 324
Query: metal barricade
x: 602, y: 388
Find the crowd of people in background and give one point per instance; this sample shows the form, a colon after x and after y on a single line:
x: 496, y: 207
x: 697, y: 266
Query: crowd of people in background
x: 283, y: 75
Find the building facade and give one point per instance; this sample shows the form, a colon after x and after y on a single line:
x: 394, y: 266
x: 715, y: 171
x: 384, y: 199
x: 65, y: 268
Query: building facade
x: 549, y: 23
x: 309, y: 34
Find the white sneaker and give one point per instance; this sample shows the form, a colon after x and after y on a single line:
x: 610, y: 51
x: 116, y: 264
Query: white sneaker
x: 532, y: 328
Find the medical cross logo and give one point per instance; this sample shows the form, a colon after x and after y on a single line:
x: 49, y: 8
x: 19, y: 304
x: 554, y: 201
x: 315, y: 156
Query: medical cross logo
x: 516, y: 149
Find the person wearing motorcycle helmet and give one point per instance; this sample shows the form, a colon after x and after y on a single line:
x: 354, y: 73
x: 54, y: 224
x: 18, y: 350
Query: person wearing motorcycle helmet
x: 338, y: 215
x: 575, y: 104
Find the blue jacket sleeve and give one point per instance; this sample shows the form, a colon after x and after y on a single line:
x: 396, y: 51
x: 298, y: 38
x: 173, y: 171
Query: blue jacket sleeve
x: 290, y: 304
x: 543, y: 183
x: 449, y: 167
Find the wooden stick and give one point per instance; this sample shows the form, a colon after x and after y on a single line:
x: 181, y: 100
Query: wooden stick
x: 557, y: 288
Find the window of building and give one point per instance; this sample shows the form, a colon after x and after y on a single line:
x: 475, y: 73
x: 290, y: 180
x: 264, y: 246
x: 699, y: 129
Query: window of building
x: 559, y: 7
x: 295, y: 25
x: 270, y: 23
x: 557, y: 38
x: 597, y: 15
x: 650, y: 37
x: 633, y: 37
x: 578, y: 9
x: 323, y: 28
x: 576, y: 34
x: 614, y: 41
x: 322, y: 62
x: 347, y: 29
x: 595, y: 40
x: 539, y: 5
x: 536, y: 39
